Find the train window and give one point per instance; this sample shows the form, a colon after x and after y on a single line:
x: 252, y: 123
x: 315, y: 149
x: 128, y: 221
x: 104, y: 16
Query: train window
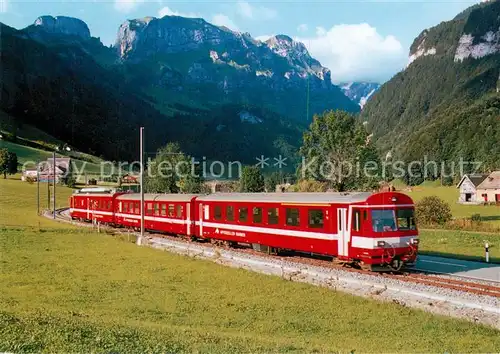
x: 125, y: 207
x: 406, y: 219
x: 163, y: 209
x: 356, y: 220
x: 120, y: 207
x: 292, y: 217
x: 316, y: 218
x: 217, y: 212
x: 149, y: 210
x: 272, y: 216
x: 243, y: 214
x: 257, y: 215
x: 157, y: 209
x: 383, y: 220
x: 137, y: 209
x: 178, y: 211
x: 170, y: 210
x: 230, y: 213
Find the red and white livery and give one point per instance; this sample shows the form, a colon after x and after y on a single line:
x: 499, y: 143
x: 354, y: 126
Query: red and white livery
x: 371, y: 230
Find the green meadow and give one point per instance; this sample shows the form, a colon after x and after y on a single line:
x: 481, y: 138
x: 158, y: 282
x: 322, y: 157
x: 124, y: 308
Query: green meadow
x: 65, y: 289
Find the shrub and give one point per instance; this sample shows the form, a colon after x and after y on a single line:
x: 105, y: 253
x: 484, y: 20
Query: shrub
x: 448, y: 181
x: 433, y: 210
x: 30, y: 179
x: 251, y: 180
x: 476, y: 217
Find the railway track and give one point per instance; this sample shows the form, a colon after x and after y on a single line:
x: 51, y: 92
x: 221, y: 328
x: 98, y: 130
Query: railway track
x: 442, y: 280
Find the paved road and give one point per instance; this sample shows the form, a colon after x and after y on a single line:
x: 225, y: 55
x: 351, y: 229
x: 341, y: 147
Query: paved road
x: 480, y: 270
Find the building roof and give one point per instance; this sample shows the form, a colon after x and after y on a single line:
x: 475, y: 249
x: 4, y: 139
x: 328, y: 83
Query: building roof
x: 312, y: 198
x: 63, y: 165
x: 491, y: 182
x: 476, y: 179
x: 158, y: 197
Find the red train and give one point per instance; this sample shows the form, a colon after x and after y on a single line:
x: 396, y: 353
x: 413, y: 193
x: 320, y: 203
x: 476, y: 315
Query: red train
x: 375, y: 231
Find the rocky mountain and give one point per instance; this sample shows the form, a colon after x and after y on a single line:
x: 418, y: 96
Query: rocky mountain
x: 446, y: 103
x: 194, y: 60
x: 63, y: 25
x: 359, y: 92
x: 70, y: 85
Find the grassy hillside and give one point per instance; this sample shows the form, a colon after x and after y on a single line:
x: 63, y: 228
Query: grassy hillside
x: 64, y: 289
x: 27, y: 154
x: 439, y: 107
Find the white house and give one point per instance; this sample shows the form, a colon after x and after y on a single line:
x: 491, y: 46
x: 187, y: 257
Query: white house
x: 481, y: 188
x: 489, y: 189
x: 468, y: 188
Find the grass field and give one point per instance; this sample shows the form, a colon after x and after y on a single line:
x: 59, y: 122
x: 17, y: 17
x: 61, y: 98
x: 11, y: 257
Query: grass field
x: 490, y: 213
x: 459, y: 244
x: 69, y: 290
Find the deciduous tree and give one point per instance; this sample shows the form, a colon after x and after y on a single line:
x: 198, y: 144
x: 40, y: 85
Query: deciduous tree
x: 8, y: 162
x: 337, y: 149
x: 251, y: 179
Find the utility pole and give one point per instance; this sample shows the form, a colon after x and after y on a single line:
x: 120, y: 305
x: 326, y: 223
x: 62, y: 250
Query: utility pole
x: 48, y: 187
x: 38, y: 189
x: 141, y: 144
x: 54, y: 196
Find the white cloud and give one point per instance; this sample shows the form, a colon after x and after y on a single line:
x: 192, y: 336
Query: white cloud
x: 356, y: 52
x: 166, y: 11
x: 249, y: 11
x: 223, y: 20
x: 4, y: 6
x: 245, y: 9
x: 126, y: 5
x: 302, y: 27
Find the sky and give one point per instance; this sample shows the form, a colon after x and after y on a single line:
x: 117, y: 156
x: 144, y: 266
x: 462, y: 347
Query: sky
x: 362, y: 40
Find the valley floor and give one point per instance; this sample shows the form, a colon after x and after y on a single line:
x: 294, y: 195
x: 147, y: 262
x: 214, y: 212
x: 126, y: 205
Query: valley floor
x: 66, y: 289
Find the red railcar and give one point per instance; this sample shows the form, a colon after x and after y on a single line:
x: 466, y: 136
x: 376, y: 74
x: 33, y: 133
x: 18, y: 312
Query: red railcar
x: 368, y: 229
x: 94, y: 204
x: 365, y: 228
x: 169, y: 213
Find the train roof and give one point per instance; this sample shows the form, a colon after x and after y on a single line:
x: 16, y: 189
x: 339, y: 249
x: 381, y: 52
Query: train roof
x: 158, y: 197
x: 311, y: 198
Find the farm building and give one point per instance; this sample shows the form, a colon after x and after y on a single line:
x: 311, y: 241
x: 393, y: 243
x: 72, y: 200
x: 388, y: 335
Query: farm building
x: 480, y: 188
x: 46, y: 170
x: 489, y: 189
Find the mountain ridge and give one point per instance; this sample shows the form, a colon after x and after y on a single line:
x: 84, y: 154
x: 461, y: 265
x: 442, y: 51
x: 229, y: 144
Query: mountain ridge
x: 426, y: 102
x: 224, y: 65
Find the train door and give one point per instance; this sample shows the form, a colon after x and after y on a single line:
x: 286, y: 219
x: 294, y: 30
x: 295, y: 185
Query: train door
x: 343, y: 232
x: 188, y: 219
x: 200, y: 218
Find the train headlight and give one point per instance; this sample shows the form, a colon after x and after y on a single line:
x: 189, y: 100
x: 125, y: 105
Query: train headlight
x: 380, y: 243
x: 414, y: 241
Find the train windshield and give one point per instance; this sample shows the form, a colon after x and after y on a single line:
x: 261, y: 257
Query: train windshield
x: 393, y: 220
x: 384, y: 220
x: 406, y: 219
